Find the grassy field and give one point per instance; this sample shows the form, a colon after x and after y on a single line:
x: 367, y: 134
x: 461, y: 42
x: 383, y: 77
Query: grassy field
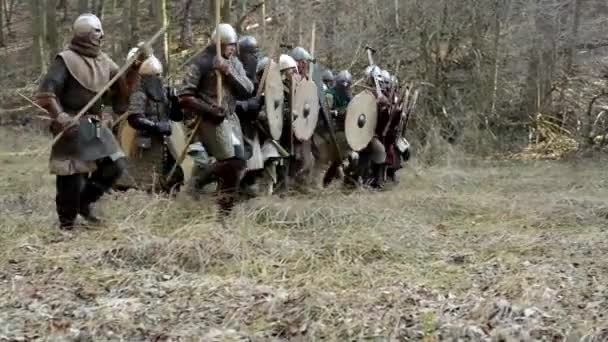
x: 502, y: 251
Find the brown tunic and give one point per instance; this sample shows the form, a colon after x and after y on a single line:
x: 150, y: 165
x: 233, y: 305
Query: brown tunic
x: 68, y: 82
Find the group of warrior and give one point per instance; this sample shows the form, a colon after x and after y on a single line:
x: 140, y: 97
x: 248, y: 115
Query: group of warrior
x: 277, y: 126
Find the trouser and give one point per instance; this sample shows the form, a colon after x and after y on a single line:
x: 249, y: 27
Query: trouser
x: 75, y: 193
x: 229, y: 172
x: 328, y: 161
x: 302, y: 165
x: 372, y: 162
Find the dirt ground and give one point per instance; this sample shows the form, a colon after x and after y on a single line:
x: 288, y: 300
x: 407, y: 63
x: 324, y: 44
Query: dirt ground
x: 475, y: 251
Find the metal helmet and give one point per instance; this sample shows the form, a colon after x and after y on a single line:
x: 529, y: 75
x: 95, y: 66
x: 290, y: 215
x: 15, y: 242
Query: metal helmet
x: 86, y: 23
x: 151, y: 66
x: 394, y: 81
x: 287, y: 62
x: 262, y: 63
x: 372, y: 71
x: 88, y: 26
x: 248, y: 44
x: 226, y: 32
x: 385, y: 76
x: 300, y: 54
x: 344, y: 77
x: 327, y: 76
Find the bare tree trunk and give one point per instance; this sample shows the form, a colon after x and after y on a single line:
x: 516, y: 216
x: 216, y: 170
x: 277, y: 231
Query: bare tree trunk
x: 1, y: 26
x: 83, y: 6
x: 64, y: 4
x: 8, y: 15
x: 99, y: 9
x: 227, y: 11
x: 185, y: 40
x: 52, y: 38
x: 154, y: 9
x: 495, y: 62
x: 243, y: 8
x: 573, y: 36
x: 397, y: 13
x: 127, y: 27
x: 134, y: 21
x: 38, y: 35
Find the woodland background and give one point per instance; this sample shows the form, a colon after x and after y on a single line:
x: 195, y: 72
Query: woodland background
x: 496, y: 75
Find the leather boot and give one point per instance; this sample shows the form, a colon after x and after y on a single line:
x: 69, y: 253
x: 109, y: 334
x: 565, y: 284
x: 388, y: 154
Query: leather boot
x: 92, y: 193
x: 331, y: 174
x: 391, y: 174
x: 67, y: 200
x: 378, y: 173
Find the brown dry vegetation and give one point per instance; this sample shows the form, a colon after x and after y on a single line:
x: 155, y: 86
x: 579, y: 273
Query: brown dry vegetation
x: 477, y: 250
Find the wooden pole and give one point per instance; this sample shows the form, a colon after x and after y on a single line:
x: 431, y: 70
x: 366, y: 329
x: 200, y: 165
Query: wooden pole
x: 264, y: 20
x: 312, y: 48
x: 218, y: 51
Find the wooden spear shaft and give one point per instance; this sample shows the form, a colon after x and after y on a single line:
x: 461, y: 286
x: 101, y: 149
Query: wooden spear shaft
x: 312, y: 48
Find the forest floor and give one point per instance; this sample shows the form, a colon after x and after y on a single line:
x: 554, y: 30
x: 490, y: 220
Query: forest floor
x: 475, y: 249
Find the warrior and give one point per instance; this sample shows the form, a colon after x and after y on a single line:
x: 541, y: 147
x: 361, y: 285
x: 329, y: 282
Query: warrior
x: 87, y: 159
x: 264, y: 155
x: 303, y: 59
x: 393, y: 114
x: 289, y: 69
x: 151, y: 106
x: 372, y: 159
x: 302, y: 168
x: 328, y: 80
x: 220, y: 128
x: 336, y: 99
x: 248, y: 53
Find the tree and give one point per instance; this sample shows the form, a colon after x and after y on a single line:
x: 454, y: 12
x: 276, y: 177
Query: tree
x: 133, y: 15
x: 8, y: 14
x: 576, y: 23
x: 52, y: 39
x: 64, y: 4
x: 37, y: 11
x: 98, y: 8
x: 83, y: 6
x: 185, y: 40
x: 1, y: 27
x: 130, y: 25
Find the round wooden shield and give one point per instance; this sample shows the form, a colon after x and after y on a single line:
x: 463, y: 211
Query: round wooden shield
x: 176, y: 143
x: 305, y: 110
x: 126, y: 136
x: 274, y: 99
x: 361, y: 120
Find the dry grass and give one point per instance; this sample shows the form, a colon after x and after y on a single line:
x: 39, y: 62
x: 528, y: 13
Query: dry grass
x: 508, y: 250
